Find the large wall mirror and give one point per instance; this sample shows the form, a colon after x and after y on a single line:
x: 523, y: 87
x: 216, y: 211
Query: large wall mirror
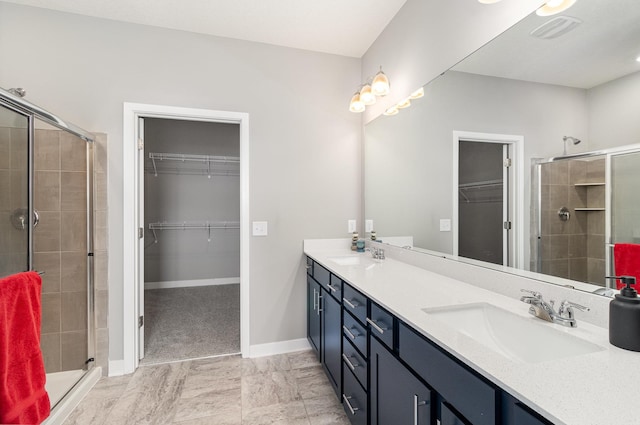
x: 509, y: 157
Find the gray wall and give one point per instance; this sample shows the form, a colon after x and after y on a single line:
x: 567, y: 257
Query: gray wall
x: 177, y: 197
x: 304, y: 150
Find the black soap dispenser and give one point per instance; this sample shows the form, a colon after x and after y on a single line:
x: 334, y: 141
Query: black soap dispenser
x: 624, y: 316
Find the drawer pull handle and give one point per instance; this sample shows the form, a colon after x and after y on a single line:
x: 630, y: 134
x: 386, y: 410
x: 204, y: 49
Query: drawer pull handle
x: 350, y: 303
x: 348, y: 362
x: 349, y: 333
x: 375, y: 326
x: 416, y: 403
x: 309, y: 266
x: 352, y: 409
x: 333, y: 289
x: 315, y: 299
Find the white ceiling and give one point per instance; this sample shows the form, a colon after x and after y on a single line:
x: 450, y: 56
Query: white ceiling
x: 342, y: 27
x: 604, y: 47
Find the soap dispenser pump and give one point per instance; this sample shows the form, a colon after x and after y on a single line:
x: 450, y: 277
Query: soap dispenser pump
x: 624, y: 316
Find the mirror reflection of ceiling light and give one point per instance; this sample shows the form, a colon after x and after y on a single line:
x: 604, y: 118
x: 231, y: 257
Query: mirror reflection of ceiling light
x: 366, y: 95
x: 356, y: 104
x: 488, y: 1
x: 391, y: 111
x: 417, y: 94
x: 554, y: 6
x: 404, y: 103
x: 638, y: 59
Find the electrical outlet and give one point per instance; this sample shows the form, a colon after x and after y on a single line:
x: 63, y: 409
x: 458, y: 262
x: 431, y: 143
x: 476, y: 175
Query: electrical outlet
x: 351, y: 226
x: 368, y: 224
x: 445, y: 225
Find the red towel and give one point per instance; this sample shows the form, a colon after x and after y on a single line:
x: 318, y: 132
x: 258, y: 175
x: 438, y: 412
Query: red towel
x: 627, y: 262
x: 23, y: 399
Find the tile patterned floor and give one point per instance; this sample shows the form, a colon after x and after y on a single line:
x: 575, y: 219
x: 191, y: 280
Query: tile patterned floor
x: 288, y: 389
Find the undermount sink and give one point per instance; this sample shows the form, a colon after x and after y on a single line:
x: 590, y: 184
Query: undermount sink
x: 513, y: 336
x: 352, y: 260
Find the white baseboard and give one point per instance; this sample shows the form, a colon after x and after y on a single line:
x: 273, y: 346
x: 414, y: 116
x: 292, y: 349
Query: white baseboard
x: 189, y: 283
x: 64, y: 408
x: 273, y: 348
x: 116, y: 367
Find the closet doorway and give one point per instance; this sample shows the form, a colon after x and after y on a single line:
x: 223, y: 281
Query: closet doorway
x: 190, y: 253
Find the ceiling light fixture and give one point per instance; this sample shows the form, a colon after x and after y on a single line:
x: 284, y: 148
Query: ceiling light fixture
x: 404, y: 103
x: 366, y: 95
x: 391, y: 111
x: 380, y: 84
x: 554, y: 6
x: 417, y: 94
x: 356, y: 104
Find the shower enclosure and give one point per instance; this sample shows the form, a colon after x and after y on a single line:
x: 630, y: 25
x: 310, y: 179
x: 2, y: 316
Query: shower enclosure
x: 46, y: 205
x: 586, y: 203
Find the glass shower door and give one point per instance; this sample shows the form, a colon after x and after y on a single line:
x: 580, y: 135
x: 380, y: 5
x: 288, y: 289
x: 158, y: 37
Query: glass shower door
x: 625, y: 201
x: 15, y: 223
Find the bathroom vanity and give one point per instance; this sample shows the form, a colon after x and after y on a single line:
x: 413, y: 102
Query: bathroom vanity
x: 403, y: 345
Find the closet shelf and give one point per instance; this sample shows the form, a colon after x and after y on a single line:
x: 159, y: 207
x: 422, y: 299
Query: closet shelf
x: 215, y: 165
x: 206, y: 225
x: 487, y: 191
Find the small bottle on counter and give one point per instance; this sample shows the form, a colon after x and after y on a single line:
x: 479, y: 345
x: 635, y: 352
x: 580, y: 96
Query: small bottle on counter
x: 373, y: 235
x: 360, y: 245
x: 624, y: 316
x: 354, y: 241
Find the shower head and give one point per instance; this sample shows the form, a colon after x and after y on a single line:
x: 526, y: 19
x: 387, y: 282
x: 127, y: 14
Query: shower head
x: 572, y: 139
x: 18, y: 91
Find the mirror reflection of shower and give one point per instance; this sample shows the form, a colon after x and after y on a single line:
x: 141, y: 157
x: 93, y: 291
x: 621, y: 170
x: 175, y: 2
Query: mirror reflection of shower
x: 571, y: 139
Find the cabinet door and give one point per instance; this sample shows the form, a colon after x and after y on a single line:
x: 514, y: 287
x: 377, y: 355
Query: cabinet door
x: 331, y: 339
x: 313, y: 314
x: 449, y: 417
x: 397, y: 396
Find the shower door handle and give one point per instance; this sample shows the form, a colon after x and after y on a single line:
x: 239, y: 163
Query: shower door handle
x: 19, y: 218
x: 36, y: 218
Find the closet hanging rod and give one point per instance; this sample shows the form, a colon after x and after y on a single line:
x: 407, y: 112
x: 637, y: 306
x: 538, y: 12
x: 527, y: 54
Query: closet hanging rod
x: 194, y: 158
x: 194, y: 172
x: 208, y: 226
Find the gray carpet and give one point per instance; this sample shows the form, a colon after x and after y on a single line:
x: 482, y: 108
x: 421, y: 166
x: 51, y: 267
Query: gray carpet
x: 187, y: 323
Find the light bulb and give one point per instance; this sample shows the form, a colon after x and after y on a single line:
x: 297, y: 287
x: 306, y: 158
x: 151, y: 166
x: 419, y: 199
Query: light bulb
x: 356, y: 104
x: 553, y: 7
x: 380, y: 84
x: 366, y: 95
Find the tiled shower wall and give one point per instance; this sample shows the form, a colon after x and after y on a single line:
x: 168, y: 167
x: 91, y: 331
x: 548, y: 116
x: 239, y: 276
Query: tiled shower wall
x: 573, y: 249
x: 60, y: 247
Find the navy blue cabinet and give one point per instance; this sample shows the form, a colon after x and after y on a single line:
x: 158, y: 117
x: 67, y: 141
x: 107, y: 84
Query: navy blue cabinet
x: 398, y: 397
x: 331, y: 340
x: 313, y: 314
x: 354, y: 399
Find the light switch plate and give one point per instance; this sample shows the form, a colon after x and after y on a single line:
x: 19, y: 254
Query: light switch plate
x: 260, y: 228
x: 445, y: 225
x: 368, y: 226
x: 351, y: 226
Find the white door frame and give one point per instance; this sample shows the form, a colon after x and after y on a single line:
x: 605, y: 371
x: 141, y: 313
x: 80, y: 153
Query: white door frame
x: 517, y: 191
x: 132, y: 111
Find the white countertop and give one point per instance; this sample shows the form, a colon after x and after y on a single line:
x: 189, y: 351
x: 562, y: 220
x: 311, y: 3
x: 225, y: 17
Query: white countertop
x: 580, y: 390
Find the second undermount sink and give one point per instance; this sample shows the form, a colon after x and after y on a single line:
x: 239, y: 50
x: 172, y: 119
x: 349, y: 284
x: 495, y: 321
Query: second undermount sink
x: 516, y: 337
x: 353, y: 260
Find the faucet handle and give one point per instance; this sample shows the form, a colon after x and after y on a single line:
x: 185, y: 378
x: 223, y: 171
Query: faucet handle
x: 535, y: 294
x: 566, y: 309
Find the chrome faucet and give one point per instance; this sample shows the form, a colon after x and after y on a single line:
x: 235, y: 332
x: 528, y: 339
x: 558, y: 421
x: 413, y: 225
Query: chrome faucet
x: 545, y: 310
x: 377, y: 253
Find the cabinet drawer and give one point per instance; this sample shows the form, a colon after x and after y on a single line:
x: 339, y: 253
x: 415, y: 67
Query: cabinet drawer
x: 321, y: 275
x: 354, y: 361
x: 354, y: 398
x: 355, y: 303
x: 309, y: 266
x: 335, y: 288
x: 466, y: 392
x: 449, y: 417
x: 355, y: 332
x: 381, y: 324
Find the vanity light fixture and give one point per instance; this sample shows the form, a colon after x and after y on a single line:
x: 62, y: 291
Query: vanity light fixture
x: 366, y: 95
x: 391, y: 111
x: 552, y: 7
x: 404, y: 103
x: 356, y: 104
x: 380, y: 84
x: 417, y: 94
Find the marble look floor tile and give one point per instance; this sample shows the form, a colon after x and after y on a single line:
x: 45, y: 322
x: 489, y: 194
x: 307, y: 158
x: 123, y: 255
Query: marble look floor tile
x: 197, y: 386
x: 269, y: 388
x: 92, y: 411
x: 109, y: 387
x: 292, y: 413
x: 149, y: 378
x: 301, y: 359
x: 154, y: 406
x: 210, y: 420
x: 312, y: 382
x: 223, y: 404
x: 265, y: 364
x: 323, y: 404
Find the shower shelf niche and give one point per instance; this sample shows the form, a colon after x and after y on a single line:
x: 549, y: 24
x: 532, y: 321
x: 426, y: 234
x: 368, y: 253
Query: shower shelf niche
x: 589, y: 209
x: 589, y: 184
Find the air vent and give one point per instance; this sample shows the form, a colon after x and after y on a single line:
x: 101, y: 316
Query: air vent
x: 555, y: 27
